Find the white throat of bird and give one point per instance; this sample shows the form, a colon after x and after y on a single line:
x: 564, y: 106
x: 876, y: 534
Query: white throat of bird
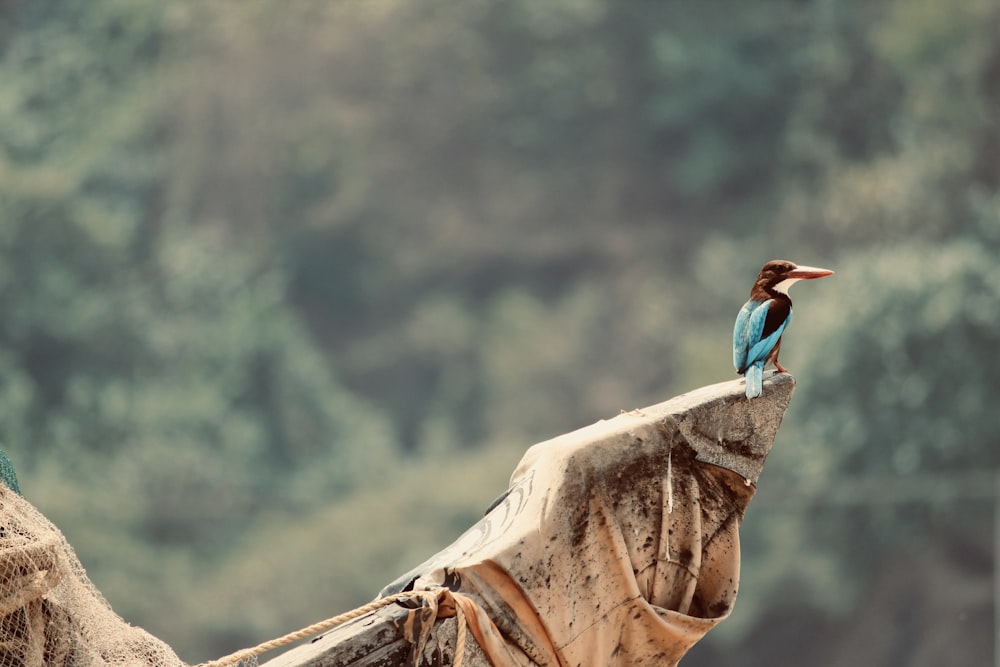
x: 785, y: 284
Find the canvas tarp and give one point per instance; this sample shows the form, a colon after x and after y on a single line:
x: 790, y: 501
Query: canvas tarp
x: 616, y: 544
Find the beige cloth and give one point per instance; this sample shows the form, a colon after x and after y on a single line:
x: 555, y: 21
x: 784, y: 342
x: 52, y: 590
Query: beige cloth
x: 613, y: 546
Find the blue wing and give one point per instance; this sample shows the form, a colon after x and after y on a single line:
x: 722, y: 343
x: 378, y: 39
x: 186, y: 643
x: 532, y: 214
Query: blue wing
x: 750, y: 342
x: 741, y: 335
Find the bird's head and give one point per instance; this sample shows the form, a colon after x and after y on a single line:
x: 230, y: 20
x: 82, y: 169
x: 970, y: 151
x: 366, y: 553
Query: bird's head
x: 780, y: 274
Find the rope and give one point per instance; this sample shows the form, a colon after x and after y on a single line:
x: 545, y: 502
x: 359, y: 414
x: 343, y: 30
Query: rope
x: 460, y: 637
x: 247, y: 653
x: 243, y: 654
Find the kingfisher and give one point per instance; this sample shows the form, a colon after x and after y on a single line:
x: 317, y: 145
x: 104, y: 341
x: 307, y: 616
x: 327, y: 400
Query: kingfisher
x: 762, y: 320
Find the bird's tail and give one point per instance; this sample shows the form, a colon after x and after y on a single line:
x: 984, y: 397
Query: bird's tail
x: 755, y: 380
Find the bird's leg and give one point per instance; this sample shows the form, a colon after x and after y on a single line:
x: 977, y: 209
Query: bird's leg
x: 773, y: 358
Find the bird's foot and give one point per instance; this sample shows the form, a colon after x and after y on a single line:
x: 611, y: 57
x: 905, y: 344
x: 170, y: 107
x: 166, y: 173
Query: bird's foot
x: 779, y: 368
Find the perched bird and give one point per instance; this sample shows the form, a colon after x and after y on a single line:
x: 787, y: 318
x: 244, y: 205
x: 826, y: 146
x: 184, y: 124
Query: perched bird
x: 762, y: 320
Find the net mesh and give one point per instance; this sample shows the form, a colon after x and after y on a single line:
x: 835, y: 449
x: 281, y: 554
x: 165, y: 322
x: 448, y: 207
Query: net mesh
x: 50, y: 612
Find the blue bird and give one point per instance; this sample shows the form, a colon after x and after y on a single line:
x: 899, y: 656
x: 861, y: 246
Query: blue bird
x: 762, y: 320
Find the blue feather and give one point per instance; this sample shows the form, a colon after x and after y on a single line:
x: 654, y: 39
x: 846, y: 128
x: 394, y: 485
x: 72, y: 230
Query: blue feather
x: 741, y: 343
x: 755, y: 380
x: 750, y: 346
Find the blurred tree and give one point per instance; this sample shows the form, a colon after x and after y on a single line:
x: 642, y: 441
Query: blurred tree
x: 401, y: 153
x: 256, y: 255
x: 924, y: 154
x: 157, y: 387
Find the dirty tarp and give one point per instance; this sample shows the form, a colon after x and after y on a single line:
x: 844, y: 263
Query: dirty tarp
x: 614, y: 545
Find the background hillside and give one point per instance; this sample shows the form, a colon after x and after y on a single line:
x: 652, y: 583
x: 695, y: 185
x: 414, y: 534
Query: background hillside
x: 286, y: 288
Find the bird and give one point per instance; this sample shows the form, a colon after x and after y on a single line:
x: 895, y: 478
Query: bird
x: 763, y: 319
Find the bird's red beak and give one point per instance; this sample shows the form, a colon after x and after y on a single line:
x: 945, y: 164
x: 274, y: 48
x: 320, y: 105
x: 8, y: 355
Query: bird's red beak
x: 808, y: 273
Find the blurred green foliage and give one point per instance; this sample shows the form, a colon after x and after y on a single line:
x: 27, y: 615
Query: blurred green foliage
x: 286, y: 288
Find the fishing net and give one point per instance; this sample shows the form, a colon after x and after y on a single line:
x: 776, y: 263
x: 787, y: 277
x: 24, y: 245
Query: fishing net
x: 50, y: 612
